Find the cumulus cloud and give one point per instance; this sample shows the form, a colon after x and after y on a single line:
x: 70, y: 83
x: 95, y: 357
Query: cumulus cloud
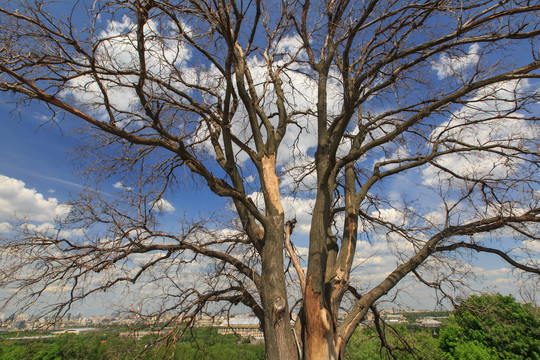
x: 45, y: 227
x: 300, y: 94
x: 531, y: 245
x: 488, y: 120
x: 120, y: 186
x: 164, y: 205
x: 5, y: 227
x: 117, y: 50
x: 449, y: 65
x: 390, y: 215
x: 289, y: 45
x: 18, y: 200
x: 495, y: 272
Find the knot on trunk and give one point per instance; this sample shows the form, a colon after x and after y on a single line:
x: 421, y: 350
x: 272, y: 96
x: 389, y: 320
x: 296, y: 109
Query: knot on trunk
x: 259, y: 233
x: 278, y: 307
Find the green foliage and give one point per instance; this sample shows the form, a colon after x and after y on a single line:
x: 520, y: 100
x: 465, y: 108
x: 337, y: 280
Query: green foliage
x: 207, y: 344
x: 472, y: 351
x: 482, y: 328
x: 365, y: 344
x: 53, y: 352
x: 200, y: 344
x: 492, y: 327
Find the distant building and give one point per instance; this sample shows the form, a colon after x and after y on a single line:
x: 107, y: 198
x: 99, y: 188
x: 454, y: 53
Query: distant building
x: 394, y: 318
x: 428, y: 322
x: 209, y: 321
x: 244, y: 326
x: 21, y: 317
x: 76, y: 331
x: 19, y: 324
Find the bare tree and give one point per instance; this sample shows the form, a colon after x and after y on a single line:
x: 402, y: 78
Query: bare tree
x: 331, y: 102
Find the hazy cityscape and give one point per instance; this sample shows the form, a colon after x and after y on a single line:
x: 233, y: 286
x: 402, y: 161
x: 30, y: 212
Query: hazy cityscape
x: 245, y: 325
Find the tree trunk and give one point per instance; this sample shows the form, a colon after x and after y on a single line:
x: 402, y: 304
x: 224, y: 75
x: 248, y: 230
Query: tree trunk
x: 319, y: 324
x: 278, y: 335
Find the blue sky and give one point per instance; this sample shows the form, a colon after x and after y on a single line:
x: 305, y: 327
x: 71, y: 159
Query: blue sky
x: 36, y: 155
x: 37, y: 175
x: 40, y: 153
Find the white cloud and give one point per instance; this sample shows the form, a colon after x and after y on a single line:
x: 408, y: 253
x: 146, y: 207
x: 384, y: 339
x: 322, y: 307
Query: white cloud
x: 164, y: 205
x: 371, y: 260
x: 390, y: 215
x: 300, y: 90
x: 62, y: 210
x: 169, y: 59
x: 117, y: 50
x: 17, y: 200
x: 495, y: 272
x: 302, y: 251
x: 488, y: 120
x: 449, y: 65
x: 289, y: 45
x: 71, y: 233
x: 502, y: 282
x: 301, y: 210
x: 532, y: 245
x: 5, y: 227
x: 45, y: 227
x: 119, y: 185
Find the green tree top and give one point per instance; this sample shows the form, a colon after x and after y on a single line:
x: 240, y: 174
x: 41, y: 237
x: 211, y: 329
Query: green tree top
x: 494, y: 324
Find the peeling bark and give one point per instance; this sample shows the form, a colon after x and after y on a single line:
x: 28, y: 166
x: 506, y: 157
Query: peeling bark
x: 319, y: 326
x: 270, y: 182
